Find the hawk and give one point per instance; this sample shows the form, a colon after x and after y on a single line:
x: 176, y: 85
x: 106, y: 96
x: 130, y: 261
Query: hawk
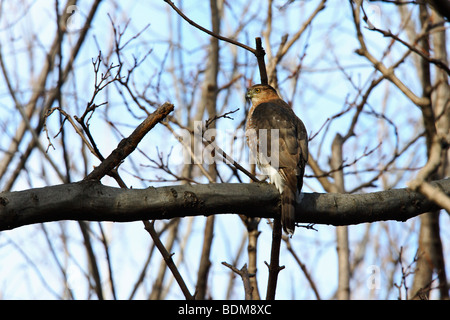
x: 280, y: 141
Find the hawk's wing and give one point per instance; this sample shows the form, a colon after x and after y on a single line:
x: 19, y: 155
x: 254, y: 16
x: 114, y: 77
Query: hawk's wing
x: 292, y: 154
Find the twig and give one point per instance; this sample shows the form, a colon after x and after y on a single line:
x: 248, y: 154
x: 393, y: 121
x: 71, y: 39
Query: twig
x: 406, y: 271
x: 174, y: 7
x: 258, y: 52
x: 217, y: 150
x: 163, y: 165
x: 149, y: 226
x: 388, y: 73
x: 225, y: 116
x: 226, y: 157
x: 245, y: 276
x: 192, y: 154
x: 343, y: 165
x: 77, y: 129
x: 388, y: 34
x: 128, y: 145
x: 302, y: 265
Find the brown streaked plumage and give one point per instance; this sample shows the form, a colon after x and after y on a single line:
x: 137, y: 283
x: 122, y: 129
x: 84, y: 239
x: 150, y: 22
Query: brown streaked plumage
x: 286, y: 165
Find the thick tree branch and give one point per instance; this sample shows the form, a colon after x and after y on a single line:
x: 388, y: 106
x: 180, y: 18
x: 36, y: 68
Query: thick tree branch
x: 90, y: 200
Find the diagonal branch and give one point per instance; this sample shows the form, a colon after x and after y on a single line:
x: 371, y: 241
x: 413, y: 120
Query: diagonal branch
x: 441, y: 64
x: 258, y: 52
x: 128, y: 145
x: 149, y: 226
x: 213, y: 34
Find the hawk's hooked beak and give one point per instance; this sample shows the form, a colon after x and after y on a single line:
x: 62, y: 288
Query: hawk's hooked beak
x: 249, y: 95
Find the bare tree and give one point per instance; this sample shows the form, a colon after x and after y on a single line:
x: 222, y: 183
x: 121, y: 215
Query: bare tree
x: 109, y: 117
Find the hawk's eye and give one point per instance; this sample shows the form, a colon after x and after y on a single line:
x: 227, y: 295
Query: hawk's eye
x: 258, y: 90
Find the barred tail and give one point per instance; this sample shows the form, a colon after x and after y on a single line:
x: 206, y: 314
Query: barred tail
x: 288, y: 211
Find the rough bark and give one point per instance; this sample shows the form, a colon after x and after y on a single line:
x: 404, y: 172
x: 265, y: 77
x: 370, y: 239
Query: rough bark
x: 90, y: 200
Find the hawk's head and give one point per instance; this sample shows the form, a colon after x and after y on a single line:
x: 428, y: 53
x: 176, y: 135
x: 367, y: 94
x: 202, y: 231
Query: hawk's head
x: 261, y: 92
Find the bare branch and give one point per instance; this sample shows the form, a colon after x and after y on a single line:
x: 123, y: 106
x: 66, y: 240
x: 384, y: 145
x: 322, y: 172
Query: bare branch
x: 128, y: 145
x: 441, y: 64
x: 420, y: 182
x: 245, y: 275
x: 149, y: 226
x: 274, y: 267
x: 215, y: 35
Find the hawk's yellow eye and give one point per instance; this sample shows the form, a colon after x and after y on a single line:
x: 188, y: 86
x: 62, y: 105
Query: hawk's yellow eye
x: 257, y: 90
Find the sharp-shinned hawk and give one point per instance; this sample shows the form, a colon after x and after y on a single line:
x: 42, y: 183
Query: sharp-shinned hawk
x: 280, y: 141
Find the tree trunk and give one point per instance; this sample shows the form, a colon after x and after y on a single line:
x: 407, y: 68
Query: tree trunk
x: 430, y: 257
x: 343, y: 252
